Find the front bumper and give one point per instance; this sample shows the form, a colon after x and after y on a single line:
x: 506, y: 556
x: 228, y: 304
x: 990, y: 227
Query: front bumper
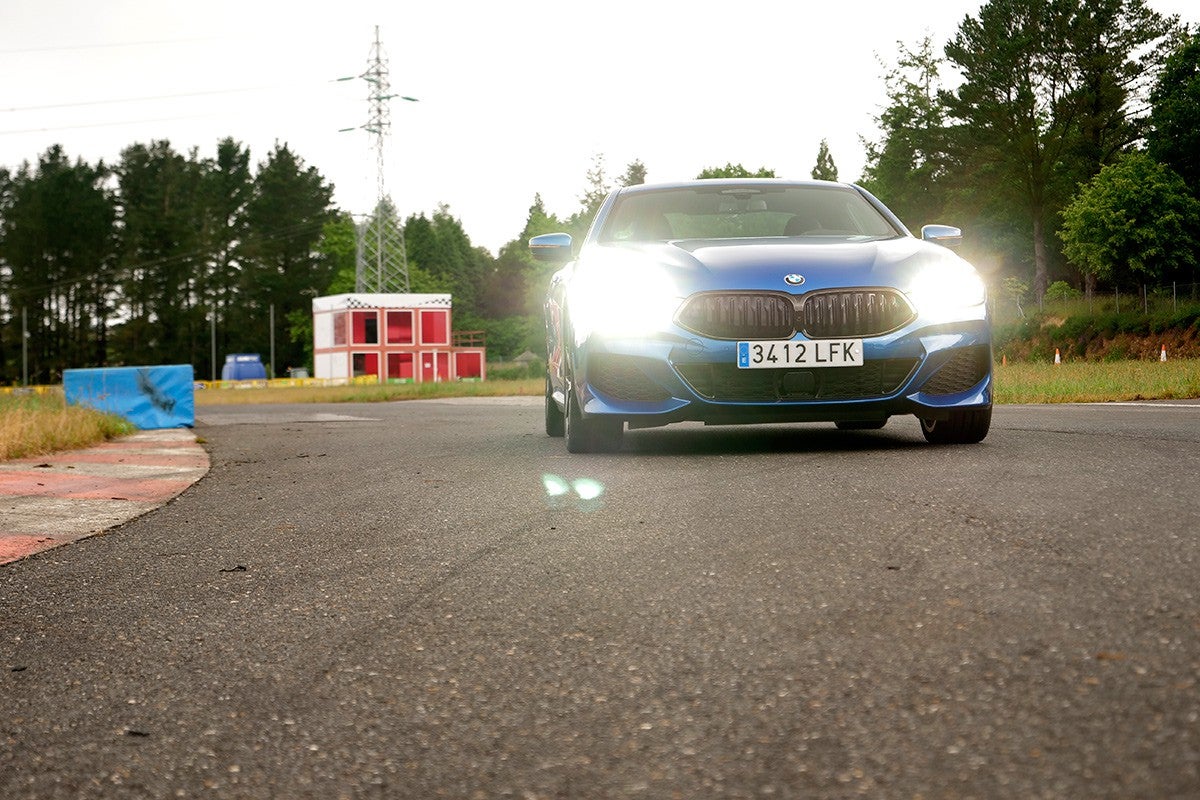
x: 927, y: 371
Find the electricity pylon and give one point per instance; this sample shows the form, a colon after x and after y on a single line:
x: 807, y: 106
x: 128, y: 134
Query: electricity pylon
x: 381, y: 264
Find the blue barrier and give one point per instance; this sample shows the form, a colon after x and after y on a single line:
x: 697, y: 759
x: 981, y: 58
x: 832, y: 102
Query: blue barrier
x: 149, y: 397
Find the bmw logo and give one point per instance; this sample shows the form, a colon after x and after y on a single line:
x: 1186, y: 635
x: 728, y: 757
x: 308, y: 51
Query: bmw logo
x: 793, y: 279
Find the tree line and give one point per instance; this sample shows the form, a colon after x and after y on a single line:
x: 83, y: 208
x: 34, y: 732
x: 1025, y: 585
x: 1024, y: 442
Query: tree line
x: 144, y: 260
x: 1069, y: 150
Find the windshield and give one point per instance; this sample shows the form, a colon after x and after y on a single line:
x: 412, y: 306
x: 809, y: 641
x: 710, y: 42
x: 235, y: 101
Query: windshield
x: 735, y: 212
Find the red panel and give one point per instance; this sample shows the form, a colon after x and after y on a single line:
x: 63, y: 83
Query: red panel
x: 366, y: 327
x: 399, y: 327
x: 443, y: 366
x: 339, y: 329
x: 365, y: 364
x: 468, y: 365
x: 400, y: 366
x: 435, y: 327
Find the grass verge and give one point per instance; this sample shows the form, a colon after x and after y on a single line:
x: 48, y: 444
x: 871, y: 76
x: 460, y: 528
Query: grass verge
x: 1072, y: 382
x: 32, y: 425
x: 38, y: 424
x: 370, y: 394
x: 1098, y: 382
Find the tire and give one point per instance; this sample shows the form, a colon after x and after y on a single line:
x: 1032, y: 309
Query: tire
x: 556, y: 422
x: 967, y: 426
x: 590, y: 435
x: 861, y: 425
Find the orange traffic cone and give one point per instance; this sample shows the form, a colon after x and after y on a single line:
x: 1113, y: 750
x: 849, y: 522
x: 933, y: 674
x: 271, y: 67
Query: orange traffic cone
x: 1057, y: 356
x: 1163, y: 356
x: 1003, y: 360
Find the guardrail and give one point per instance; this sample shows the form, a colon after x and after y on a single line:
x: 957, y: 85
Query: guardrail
x: 19, y: 390
x: 275, y: 383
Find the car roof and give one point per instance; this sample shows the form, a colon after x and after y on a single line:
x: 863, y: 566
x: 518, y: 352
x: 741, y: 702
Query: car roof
x: 717, y: 182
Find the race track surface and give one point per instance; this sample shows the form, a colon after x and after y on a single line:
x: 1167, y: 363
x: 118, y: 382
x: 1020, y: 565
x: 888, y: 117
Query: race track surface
x: 431, y: 599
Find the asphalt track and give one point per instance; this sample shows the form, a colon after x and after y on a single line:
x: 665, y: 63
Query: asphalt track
x: 434, y: 599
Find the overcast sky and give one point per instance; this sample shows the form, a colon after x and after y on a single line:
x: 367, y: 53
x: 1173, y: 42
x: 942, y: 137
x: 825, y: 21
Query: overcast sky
x: 514, y: 98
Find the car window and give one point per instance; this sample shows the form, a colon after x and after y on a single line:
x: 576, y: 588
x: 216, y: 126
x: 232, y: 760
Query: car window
x: 727, y: 212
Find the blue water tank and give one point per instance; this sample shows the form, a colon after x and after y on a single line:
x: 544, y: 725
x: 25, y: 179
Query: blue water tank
x: 243, y: 367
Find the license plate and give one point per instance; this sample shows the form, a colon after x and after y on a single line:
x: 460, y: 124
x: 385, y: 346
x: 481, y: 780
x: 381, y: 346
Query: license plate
x: 816, y: 353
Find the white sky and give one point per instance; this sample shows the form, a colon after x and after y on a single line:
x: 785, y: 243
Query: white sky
x: 515, y: 98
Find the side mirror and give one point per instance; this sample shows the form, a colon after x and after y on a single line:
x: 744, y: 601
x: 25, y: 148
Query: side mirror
x: 552, y: 247
x: 944, y: 235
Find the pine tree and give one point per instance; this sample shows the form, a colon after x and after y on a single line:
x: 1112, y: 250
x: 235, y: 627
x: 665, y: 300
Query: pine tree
x: 825, y: 170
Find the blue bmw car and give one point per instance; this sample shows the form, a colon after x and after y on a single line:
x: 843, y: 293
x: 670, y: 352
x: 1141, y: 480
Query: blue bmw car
x: 761, y: 301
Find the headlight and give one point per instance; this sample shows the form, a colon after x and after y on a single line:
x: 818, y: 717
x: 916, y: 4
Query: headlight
x: 622, y: 297
x: 947, y: 289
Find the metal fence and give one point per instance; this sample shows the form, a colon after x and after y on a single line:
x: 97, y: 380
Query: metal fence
x: 1146, y: 300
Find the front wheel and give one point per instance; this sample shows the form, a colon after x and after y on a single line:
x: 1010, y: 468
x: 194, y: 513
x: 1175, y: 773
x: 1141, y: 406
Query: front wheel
x: 593, y: 434
x: 966, y: 426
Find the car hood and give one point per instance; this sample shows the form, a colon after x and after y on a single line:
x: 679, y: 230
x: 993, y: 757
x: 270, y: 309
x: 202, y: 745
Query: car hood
x: 763, y: 264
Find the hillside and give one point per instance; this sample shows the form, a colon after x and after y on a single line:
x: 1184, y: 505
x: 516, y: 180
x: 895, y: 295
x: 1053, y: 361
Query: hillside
x: 1083, y: 336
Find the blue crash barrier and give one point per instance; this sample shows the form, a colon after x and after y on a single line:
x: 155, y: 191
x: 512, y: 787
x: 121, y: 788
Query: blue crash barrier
x: 149, y: 397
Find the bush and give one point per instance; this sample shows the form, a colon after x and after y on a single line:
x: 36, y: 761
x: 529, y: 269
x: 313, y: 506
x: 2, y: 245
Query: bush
x: 516, y: 371
x: 1060, y: 291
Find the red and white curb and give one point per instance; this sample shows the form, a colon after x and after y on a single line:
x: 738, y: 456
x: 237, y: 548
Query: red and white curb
x: 46, y: 501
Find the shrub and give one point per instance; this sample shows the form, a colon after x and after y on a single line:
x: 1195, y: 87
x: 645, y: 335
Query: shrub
x: 1060, y: 291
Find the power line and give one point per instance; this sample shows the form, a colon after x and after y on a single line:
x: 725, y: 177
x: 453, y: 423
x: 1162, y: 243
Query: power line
x: 137, y: 100
x: 106, y: 124
x: 67, y: 47
x: 147, y: 98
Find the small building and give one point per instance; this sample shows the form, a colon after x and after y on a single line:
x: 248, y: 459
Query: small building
x: 395, y: 337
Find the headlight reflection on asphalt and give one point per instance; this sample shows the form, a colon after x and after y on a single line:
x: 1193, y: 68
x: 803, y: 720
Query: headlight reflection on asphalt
x: 559, y: 492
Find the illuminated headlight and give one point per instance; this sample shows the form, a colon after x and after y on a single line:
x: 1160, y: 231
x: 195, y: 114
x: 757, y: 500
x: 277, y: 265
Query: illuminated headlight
x: 622, y: 301
x: 945, y: 291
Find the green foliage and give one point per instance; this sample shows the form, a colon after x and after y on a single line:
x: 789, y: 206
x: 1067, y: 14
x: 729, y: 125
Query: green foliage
x: 58, y: 253
x: 161, y: 257
x: 517, y: 371
x: 286, y: 214
x: 597, y: 189
x: 441, y: 258
x: 508, y: 337
x: 1104, y: 333
x: 1174, y: 136
x: 226, y: 185
x: 338, y: 248
x: 1045, y: 99
x: 909, y: 168
x: 1015, y: 290
x: 825, y: 169
x: 635, y: 174
x: 731, y: 170
x: 1061, y: 290
x: 1135, y: 216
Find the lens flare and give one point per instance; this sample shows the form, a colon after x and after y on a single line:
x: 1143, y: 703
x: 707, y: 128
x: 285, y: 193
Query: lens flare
x: 588, y: 489
x: 555, y: 486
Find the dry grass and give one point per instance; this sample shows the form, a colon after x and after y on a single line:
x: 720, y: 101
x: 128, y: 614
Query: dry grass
x: 1096, y: 382
x: 369, y: 393
x: 38, y: 424
x: 32, y: 425
x: 1081, y: 382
